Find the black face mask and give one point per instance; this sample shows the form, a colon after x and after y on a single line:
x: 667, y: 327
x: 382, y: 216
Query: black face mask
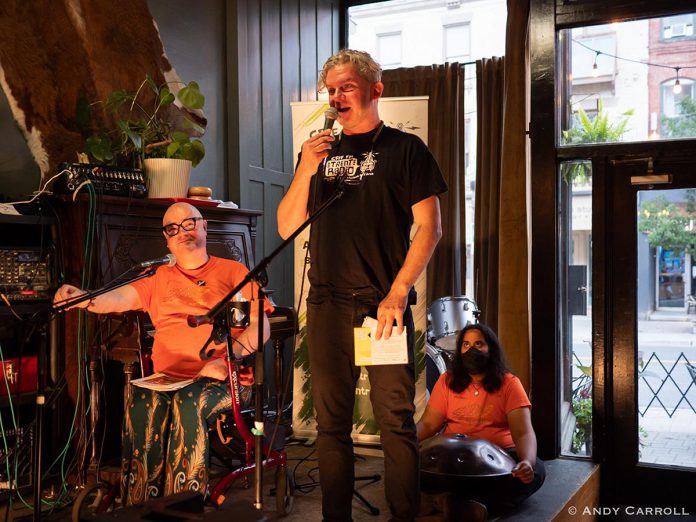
x: 475, y: 361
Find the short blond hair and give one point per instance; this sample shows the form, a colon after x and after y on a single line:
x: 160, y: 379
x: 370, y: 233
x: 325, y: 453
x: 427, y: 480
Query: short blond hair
x: 366, y: 67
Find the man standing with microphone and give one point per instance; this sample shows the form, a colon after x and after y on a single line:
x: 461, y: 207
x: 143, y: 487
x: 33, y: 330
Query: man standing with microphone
x: 363, y: 264
x: 165, y: 437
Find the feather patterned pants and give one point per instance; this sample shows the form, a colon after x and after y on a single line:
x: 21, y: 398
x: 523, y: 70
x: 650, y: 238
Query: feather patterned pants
x: 165, y: 439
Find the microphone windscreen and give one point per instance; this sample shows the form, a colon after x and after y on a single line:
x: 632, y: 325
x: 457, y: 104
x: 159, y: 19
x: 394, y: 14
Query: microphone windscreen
x: 330, y: 116
x: 172, y: 259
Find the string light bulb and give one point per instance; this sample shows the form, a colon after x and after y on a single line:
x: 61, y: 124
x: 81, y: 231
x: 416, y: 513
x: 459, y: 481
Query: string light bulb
x: 595, y: 69
x: 677, y: 89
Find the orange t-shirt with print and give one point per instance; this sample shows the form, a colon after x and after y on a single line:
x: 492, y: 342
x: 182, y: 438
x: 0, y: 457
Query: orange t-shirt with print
x: 172, y: 294
x: 483, y: 415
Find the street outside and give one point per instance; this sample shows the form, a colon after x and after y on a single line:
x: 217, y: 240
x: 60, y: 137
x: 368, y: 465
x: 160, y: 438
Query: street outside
x: 668, y: 425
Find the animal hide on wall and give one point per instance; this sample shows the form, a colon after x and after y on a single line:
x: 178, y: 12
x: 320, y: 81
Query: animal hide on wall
x: 53, y: 52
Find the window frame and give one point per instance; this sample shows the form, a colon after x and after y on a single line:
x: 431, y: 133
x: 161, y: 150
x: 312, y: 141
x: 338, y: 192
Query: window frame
x: 547, y: 18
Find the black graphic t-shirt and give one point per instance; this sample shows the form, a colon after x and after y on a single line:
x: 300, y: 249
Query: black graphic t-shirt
x: 362, y: 239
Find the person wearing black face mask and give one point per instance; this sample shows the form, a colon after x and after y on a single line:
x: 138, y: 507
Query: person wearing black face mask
x: 475, y: 360
x: 480, y: 397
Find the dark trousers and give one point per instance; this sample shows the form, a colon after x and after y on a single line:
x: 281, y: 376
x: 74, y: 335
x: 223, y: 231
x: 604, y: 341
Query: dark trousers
x: 331, y: 318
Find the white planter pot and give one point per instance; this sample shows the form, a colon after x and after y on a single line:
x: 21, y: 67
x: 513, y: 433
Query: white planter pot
x: 167, y: 177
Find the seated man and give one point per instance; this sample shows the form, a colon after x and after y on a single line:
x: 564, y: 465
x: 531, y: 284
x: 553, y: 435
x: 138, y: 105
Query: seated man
x: 165, y: 435
x: 481, y: 398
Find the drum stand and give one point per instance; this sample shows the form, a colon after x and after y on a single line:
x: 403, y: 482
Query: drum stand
x: 374, y: 510
x: 372, y: 479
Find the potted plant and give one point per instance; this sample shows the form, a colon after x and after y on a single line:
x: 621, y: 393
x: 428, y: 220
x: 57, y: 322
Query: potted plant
x: 157, y: 127
x: 582, y: 410
x: 592, y: 130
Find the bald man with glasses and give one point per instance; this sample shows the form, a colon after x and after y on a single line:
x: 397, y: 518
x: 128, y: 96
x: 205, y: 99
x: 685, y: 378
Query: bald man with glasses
x: 165, y: 443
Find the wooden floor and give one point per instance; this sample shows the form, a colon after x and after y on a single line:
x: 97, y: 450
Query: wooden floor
x: 569, y: 482
x: 307, y: 500
x: 564, y: 484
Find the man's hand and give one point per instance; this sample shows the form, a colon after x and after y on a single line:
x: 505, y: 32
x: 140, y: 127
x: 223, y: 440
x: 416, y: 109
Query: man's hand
x: 69, y: 292
x: 314, y: 150
x: 523, y: 471
x: 215, y: 369
x: 390, y: 309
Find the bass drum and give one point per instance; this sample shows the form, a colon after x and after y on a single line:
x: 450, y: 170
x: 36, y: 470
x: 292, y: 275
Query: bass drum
x: 436, y: 363
x: 447, y: 316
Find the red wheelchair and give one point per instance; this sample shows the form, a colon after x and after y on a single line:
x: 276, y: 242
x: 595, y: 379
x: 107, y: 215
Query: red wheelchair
x: 233, y: 429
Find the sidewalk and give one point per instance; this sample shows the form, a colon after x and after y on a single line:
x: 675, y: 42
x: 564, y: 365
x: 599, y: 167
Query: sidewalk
x: 669, y: 441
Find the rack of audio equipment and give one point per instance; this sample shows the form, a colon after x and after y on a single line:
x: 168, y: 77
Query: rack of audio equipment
x: 28, y: 341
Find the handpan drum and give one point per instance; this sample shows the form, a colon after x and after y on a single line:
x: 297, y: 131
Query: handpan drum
x: 448, y: 462
x: 447, y: 316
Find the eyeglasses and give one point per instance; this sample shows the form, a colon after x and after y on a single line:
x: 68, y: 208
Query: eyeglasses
x: 172, y: 229
x: 476, y: 344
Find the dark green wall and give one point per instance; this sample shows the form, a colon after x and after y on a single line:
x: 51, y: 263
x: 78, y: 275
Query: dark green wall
x: 280, y: 48
x: 194, y: 36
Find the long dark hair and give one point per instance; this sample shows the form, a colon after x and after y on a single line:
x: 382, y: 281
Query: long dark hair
x: 459, y: 378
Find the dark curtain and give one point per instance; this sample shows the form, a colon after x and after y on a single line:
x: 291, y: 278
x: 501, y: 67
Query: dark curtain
x: 489, y: 99
x: 502, y: 236
x: 444, y: 84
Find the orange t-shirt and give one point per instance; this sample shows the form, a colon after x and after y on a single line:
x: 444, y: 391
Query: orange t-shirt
x: 172, y: 294
x: 483, y: 416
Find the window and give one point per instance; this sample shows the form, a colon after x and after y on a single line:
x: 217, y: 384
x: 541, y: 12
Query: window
x: 625, y: 72
x: 457, y: 42
x: 575, y: 254
x: 400, y: 33
x: 672, y: 104
x: 677, y: 27
x: 389, y: 50
x: 678, y: 109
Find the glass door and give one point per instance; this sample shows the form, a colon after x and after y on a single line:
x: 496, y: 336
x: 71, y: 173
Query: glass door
x: 651, y: 352
x: 670, y: 265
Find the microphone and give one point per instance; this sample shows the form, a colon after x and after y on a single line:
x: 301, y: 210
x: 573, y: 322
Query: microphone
x: 330, y: 116
x: 169, y: 260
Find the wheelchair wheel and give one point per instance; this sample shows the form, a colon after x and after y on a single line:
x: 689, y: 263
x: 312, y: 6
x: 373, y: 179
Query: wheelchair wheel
x: 97, y: 498
x: 284, y: 491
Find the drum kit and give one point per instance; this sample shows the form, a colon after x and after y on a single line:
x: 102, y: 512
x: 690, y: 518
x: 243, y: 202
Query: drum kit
x: 447, y: 316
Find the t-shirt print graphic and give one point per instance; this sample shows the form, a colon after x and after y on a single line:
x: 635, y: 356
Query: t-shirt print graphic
x: 348, y: 166
x: 187, y: 295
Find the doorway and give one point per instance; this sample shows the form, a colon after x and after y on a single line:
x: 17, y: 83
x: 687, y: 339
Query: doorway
x: 650, y: 398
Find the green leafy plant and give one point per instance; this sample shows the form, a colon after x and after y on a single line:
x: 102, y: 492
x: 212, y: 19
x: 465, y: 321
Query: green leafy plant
x: 667, y: 225
x: 683, y: 125
x: 592, y: 130
x: 582, y: 436
x: 152, y: 122
x: 582, y: 409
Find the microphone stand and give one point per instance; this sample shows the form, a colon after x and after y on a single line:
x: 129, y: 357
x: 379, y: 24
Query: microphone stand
x: 62, y: 306
x: 258, y: 275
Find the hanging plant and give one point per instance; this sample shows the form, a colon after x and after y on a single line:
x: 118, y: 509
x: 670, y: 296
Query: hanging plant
x: 591, y: 130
